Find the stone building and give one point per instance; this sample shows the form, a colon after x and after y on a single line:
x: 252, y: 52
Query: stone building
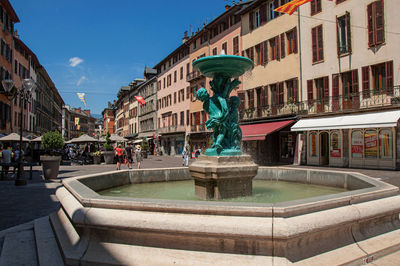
x: 109, y: 118
x: 350, y: 83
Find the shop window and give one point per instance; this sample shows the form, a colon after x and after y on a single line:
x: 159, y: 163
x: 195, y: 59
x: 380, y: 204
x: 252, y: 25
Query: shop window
x: 385, y: 144
x: 335, y: 145
x: 357, y: 145
x: 313, y: 140
x: 371, y: 144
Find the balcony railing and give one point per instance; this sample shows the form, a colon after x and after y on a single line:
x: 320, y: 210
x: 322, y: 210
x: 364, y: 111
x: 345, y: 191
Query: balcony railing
x: 193, y: 75
x: 337, y: 104
x: 199, y: 128
x: 172, y: 129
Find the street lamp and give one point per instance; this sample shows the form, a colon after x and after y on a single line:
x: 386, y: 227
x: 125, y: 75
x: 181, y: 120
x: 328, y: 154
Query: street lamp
x: 25, y: 95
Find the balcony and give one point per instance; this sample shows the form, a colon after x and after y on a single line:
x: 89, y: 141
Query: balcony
x: 198, y: 128
x: 193, y: 76
x: 338, y: 104
x: 172, y: 129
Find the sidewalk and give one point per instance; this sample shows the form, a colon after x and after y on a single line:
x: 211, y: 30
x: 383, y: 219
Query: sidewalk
x: 19, y: 205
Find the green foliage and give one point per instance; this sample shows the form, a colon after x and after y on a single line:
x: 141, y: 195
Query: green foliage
x: 52, y: 140
x: 108, y: 145
x: 145, y: 145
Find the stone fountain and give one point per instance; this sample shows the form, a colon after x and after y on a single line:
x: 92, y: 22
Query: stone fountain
x: 224, y: 172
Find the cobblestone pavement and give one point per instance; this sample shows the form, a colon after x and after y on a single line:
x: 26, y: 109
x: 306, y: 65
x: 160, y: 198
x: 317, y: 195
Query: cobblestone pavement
x: 37, y: 199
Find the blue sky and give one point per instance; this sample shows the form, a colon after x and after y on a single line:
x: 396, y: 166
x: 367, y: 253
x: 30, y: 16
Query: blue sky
x: 97, y: 46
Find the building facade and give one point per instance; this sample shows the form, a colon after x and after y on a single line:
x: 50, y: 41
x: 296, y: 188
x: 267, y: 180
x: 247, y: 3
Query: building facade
x: 173, y: 100
x: 351, y: 76
x: 7, y: 19
x: 109, y: 118
x: 271, y: 94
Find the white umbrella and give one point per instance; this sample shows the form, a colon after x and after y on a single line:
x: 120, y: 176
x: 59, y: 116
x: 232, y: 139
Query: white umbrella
x: 13, y: 137
x: 38, y: 139
x: 116, y: 138
x: 83, y: 138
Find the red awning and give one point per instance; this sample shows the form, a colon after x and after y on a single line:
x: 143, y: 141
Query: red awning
x: 259, y: 131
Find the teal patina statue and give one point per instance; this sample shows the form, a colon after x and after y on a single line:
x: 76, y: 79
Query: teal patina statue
x: 222, y: 109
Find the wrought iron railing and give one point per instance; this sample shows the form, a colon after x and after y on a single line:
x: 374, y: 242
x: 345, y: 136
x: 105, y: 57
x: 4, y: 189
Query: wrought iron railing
x: 172, y: 129
x: 336, y: 104
x: 199, y: 128
x: 193, y: 75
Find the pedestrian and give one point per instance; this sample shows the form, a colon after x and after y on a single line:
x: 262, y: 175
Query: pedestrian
x: 197, y: 153
x: 6, y: 159
x: 129, y: 155
x: 185, y: 156
x: 120, y: 156
x: 138, y: 155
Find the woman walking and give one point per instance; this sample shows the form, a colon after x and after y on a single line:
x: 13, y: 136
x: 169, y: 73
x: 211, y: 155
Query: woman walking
x: 138, y: 155
x: 185, y: 156
x: 120, y: 157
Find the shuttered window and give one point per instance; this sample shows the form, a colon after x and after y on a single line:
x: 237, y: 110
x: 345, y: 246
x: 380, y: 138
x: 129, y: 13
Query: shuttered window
x: 376, y: 23
x: 315, y: 7
x: 310, y: 96
x: 317, y: 44
x: 365, y: 81
x: 280, y: 93
x: 250, y: 96
x: 236, y: 45
x: 283, y: 45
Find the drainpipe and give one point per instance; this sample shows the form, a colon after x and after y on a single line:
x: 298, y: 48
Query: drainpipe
x: 301, y: 68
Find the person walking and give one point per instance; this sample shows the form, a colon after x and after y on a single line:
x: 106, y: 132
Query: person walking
x: 185, y: 156
x: 129, y: 155
x: 120, y: 156
x: 138, y: 155
x: 6, y: 159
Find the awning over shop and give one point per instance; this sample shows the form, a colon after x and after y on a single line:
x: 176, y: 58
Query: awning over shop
x: 367, y: 120
x: 259, y: 131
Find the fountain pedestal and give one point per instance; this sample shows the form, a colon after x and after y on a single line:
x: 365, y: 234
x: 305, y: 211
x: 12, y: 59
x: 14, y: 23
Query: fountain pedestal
x: 221, y: 177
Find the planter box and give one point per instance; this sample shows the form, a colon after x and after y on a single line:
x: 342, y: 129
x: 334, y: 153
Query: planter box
x: 50, y: 165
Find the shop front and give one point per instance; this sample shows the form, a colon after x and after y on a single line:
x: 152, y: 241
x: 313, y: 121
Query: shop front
x: 269, y: 143
x: 367, y: 140
x: 172, y: 144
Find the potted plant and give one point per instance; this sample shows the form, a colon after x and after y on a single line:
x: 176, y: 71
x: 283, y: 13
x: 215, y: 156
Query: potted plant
x: 145, y: 148
x: 109, y: 150
x: 96, y: 157
x: 52, y: 142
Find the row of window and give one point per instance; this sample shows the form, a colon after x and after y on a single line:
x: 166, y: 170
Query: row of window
x: 376, y: 79
x: 274, y: 48
x: 6, y: 51
x: 20, y: 70
x: 364, y: 143
x: 281, y: 93
x: 179, y: 96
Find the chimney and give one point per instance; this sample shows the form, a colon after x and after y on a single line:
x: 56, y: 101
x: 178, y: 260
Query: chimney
x: 227, y: 7
x: 185, y: 37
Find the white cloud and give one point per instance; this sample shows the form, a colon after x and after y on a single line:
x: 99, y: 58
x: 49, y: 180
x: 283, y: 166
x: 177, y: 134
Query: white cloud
x: 83, y: 78
x: 74, y: 61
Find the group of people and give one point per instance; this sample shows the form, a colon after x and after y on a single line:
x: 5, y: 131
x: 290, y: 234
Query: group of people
x: 8, y: 155
x: 127, y: 154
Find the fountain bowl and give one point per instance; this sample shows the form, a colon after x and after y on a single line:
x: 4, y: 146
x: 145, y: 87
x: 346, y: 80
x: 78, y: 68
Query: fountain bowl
x: 223, y: 65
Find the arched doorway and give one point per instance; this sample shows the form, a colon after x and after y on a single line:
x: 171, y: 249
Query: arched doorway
x: 324, y: 148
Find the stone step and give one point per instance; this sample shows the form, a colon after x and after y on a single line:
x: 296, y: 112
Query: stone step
x: 19, y: 248
x: 99, y: 253
x: 47, y: 249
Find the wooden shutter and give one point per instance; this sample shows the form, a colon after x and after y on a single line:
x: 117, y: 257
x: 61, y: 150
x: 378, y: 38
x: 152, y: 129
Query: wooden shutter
x: 371, y: 35
x: 265, y: 52
x: 283, y: 45
x: 348, y: 27
x: 354, y: 80
x: 296, y: 90
x: 379, y: 22
x: 266, y: 95
x: 251, y: 21
x: 365, y: 81
x: 280, y: 93
x: 262, y: 96
x: 278, y: 56
x: 326, y: 87
x: 263, y: 14
x: 335, y: 86
x: 312, y: 7
x: 295, y: 40
x: 320, y: 44
x: 310, y: 91
x: 389, y: 77
x: 337, y: 36
x: 314, y: 44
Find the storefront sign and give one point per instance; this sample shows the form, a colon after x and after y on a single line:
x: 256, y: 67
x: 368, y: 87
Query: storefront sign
x: 336, y: 153
x: 335, y: 150
x: 356, y: 145
x: 371, y: 144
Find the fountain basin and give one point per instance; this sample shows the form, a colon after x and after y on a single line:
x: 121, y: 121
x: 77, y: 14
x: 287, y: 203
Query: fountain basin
x: 224, y: 65
x: 293, y: 231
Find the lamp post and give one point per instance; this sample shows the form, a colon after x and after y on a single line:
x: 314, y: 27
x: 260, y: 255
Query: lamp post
x: 25, y: 95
